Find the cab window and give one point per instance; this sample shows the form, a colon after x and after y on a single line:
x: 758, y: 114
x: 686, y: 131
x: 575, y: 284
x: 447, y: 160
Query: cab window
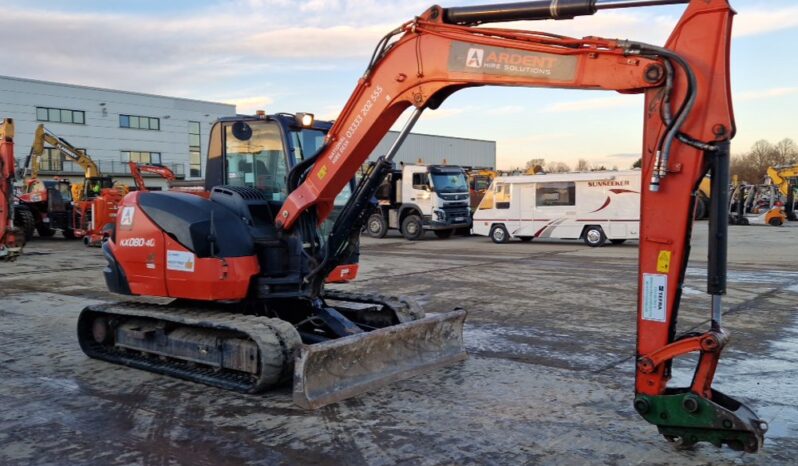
x: 306, y: 143
x: 258, y: 162
x: 421, y: 181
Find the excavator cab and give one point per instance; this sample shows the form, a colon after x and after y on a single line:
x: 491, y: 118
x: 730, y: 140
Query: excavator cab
x: 259, y: 152
x: 93, y: 187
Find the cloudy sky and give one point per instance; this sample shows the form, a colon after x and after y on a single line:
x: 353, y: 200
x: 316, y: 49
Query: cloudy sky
x: 306, y: 55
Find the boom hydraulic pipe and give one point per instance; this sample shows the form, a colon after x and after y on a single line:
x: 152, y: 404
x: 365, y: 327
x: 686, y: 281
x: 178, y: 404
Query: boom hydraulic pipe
x: 538, y: 10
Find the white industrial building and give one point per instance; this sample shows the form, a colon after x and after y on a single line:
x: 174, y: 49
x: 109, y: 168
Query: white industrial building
x: 440, y: 150
x: 115, y: 127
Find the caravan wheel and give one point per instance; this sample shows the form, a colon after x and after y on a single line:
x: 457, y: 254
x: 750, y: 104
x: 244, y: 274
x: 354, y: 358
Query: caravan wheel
x: 499, y: 234
x: 594, y: 236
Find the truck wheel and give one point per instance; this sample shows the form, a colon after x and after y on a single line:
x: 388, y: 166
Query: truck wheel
x: 444, y: 234
x: 412, y: 229
x: 376, y: 226
x: 23, y: 218
x: 617, y: 241
x: 594, y: 236
x: 45, y: 231
x: 499, y: 234
x: 775, y: 222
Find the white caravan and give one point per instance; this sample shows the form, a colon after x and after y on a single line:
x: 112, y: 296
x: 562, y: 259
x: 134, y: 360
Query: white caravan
x: 594, y: 207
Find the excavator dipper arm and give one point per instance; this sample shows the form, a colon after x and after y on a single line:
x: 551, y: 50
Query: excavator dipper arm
x: 136, y: 169
x: 688, y: 123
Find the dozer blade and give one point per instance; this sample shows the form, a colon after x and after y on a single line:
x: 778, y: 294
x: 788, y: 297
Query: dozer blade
x: 332, y: 371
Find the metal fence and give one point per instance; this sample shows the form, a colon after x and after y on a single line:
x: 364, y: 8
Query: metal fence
x: 107, y: 167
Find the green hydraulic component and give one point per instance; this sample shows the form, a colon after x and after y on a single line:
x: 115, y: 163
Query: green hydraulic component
x: 684, y: 417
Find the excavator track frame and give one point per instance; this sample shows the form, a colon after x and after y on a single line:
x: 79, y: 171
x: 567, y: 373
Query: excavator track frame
x: 276, y: 340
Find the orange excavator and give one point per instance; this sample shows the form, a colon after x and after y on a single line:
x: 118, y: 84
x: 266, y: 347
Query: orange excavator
x: 249, y: 269
x: 12, y: 238
x: 136, y: 169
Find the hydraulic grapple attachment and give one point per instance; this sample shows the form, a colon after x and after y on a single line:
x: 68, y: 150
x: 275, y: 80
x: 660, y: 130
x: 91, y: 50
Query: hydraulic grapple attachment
x: 332, y: 371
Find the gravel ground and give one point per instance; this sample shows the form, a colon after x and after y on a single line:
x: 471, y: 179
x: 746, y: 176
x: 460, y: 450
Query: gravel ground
x: 549, y: 379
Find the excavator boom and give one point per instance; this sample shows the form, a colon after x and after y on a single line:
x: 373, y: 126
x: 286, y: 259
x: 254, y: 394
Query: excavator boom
x: 688, y: 124
x: 136, y: 169
x: 42, y: 137
x: 12, y: 239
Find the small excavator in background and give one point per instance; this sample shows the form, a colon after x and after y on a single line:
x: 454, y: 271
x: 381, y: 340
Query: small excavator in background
x: 12, y: 238
x: 247, y: 267
x: 756, y: 204
x: 136, y: 169
x: 785, y: 177
x: 84, y: 210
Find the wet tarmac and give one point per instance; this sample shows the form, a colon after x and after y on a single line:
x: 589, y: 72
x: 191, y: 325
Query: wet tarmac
x: 549, y: 380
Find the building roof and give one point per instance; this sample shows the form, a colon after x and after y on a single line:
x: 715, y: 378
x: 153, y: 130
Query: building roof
x: 92, y: 88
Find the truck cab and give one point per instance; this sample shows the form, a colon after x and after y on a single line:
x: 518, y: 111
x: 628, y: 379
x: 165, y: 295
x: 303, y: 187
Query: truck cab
x: 418, y: 198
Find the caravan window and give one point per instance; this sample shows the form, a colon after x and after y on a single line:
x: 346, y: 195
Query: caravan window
x: 556, y: 194
x: 502, y: 196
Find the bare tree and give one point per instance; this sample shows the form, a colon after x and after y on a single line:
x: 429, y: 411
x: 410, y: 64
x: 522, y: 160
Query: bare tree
x: 582, y: 166
x: 557, y: 167
x: 787, y: 151
x: 752, y: 166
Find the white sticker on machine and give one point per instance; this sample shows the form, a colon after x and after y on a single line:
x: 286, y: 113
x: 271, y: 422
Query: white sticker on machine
x: 127, y: 216
x: 180, y: 260
x: 655, y: 297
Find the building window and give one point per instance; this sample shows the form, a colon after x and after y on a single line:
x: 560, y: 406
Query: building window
x: 60, y: 115
x: 141, y: 157
x: 139, y: 122
x: 555, y: 194
x: 194, y: 151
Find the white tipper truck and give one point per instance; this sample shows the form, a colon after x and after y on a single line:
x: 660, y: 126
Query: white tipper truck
x: 417, y: 198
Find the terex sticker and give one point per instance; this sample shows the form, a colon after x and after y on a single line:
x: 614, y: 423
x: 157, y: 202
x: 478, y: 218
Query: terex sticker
x: 655, y: 297
x: 483, y: 59
x: 127, y: 216
x: 180, y: 260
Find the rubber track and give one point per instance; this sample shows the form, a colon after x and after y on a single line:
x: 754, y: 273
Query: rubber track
x: 277, y: 341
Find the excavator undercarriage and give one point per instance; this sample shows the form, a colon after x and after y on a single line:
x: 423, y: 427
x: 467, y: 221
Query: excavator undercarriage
x: 216, y: 345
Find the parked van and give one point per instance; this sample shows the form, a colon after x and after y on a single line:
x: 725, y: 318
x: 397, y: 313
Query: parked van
x: 594, y: 207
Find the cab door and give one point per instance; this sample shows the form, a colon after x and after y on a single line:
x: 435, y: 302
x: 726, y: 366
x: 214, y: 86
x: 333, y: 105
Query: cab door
x: 416, y: 189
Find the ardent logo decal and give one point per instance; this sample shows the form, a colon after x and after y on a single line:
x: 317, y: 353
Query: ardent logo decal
x: 475, y: 58
x: 471, y: 58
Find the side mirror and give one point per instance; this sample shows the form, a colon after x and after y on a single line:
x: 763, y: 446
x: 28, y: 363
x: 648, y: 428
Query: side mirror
x: 242, y: 131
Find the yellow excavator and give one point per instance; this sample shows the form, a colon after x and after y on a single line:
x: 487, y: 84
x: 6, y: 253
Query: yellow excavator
x: 81, y: 210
